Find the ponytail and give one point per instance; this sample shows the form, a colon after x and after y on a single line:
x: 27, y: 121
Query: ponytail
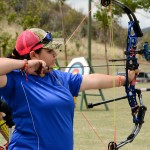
x: 15, y: 55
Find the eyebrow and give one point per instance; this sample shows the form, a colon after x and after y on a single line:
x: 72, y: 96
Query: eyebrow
x: 49, y: 50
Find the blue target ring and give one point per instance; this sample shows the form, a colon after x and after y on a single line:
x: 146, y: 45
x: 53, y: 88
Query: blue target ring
x: 76, y: 68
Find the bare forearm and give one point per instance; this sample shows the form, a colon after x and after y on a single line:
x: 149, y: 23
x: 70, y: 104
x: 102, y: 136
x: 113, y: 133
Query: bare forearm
x: 7, y: 65
x: 101, y: 81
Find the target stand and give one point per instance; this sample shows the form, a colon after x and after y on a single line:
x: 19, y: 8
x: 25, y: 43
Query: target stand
x: 84, y: 67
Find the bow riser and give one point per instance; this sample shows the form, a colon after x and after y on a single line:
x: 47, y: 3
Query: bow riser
x: 131, y: 64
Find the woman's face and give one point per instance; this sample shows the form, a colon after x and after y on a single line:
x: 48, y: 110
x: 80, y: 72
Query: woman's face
x: 49, y: 56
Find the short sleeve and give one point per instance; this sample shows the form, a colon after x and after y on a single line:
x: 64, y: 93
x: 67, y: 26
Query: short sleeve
x: 75, y: 83
x: 8, y: 89
x: 72, y: 82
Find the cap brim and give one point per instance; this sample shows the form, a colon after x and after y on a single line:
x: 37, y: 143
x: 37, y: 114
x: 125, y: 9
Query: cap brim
x: 53, y: 45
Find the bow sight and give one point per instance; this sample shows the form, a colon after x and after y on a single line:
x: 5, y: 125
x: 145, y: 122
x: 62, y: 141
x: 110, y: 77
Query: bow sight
x: 145, y: 51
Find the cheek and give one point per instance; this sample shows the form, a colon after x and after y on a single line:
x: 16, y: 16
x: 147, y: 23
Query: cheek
x: 46, y: 57
x: 49, y: 59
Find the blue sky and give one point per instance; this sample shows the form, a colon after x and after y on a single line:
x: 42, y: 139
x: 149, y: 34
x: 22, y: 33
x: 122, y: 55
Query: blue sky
x: 82, y: 5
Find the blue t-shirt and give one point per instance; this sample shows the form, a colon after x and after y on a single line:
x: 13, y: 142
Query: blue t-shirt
x: 42, y: 109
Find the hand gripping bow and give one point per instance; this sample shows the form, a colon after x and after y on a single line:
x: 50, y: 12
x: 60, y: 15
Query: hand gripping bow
x: 138, y: 110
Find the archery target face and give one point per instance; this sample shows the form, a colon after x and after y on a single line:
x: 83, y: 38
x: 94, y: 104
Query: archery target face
x: 78, y: 65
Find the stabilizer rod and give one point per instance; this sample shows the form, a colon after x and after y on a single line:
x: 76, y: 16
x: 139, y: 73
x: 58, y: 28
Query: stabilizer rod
x: 90, y: 105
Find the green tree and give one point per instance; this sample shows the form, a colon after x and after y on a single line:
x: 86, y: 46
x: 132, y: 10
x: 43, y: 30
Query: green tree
x: 104, y: 21
x: 133, y: 5
x: 6, y: 43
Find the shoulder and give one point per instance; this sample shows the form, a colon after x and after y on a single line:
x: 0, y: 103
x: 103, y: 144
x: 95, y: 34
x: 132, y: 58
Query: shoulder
x: 58, y: 73
x: 15, y: 74
x: 66, y: 74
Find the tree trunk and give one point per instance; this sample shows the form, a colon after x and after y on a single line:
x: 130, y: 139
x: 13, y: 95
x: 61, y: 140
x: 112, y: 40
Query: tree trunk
x: 64, y: 33
x: 106, y: 56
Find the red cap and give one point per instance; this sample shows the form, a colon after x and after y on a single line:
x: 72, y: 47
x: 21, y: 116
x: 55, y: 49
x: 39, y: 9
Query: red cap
x: 25, y: 42
x: 28, y: 40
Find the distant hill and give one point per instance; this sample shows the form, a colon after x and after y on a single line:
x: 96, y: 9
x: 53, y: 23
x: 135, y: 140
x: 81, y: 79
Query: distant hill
x: 146, y: 30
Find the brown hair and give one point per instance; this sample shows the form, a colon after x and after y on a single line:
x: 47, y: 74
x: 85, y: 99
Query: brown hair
x: 15, y: 55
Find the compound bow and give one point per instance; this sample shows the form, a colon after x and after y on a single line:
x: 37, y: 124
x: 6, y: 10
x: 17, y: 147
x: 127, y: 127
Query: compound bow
x: 138, y: 110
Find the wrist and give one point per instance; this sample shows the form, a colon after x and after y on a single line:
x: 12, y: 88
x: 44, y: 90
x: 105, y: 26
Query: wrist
x: 121, y: 81
x: 25, y: 64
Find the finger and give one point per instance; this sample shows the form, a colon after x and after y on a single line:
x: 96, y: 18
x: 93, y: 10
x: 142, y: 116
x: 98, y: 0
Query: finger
x: 43, y: 71
x: 39, y: 69
x: 137, y: 71
x: 31, y: 71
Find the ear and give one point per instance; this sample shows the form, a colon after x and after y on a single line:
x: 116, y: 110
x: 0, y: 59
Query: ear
x: 33, y: 55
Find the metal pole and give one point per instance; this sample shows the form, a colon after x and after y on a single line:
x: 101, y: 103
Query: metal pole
x: 64, y: 33
x: 89, y: 33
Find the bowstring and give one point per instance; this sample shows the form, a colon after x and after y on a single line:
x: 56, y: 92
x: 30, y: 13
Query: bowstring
x: 114, y: 70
